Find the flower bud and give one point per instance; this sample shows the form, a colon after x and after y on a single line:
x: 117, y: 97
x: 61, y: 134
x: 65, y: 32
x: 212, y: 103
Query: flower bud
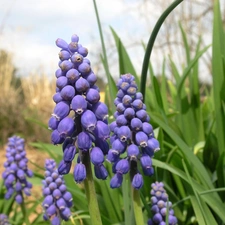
x: 79, y: 172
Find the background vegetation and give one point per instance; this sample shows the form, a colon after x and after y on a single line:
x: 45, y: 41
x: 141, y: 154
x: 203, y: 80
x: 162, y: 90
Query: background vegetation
x: 189, y: 121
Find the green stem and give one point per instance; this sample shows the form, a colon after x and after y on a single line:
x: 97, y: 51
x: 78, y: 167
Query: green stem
x: 23, y: 208
x: 137, y: 207
x: 151, y: 43
x: 90, y: 193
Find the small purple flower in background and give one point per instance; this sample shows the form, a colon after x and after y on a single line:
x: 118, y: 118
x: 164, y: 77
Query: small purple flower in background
x: 16, y: 171
x: 131, y: 133
x: 57, y: 200
x: 79, y: 119
x: 161, y: 206
x: 4, y: 220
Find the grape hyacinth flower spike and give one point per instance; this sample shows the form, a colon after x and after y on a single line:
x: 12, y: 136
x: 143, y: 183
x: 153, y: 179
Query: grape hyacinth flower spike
x: 79, y: 119
x: 131, y: 134
x: 161, y: 206
x: 16, y: 170
x: 57, y: 200
x: 4, y: 220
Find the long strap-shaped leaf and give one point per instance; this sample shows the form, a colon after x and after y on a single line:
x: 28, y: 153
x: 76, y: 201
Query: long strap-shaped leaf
x: 151, y: 43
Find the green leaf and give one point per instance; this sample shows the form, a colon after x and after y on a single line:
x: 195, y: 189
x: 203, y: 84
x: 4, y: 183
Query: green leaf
x: 200, y: 170
x: 125, y: 63
x: 218, y: 54
x: 189, y: 67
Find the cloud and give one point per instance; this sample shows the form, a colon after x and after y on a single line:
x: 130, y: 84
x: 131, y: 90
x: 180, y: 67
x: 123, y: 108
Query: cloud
x: 30, y: 30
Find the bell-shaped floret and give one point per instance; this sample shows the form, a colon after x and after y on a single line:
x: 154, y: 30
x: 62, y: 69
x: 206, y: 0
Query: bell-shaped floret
x: 122, y: 166
x: 84, y: 141
x: 101, y: 130
x: 79, y: 173
x: 61, y: 110
x: 92, y: 96
x: 116, y: 180
x: 137, y: 181
x: 69, y: 153
x: 72, y: 76
x: 66, y: 127
x: 79, y: 104
x: 82, y: 85
x: 100, y: 110
x: 61, y: 44
x: 141, y: 139
x: 97, y: 156
x: 133, y: 151
x: 64, y: 167
x: 67, y: 92
x: 124, y: 133
x: 100, y: 172
x: 88, y: 120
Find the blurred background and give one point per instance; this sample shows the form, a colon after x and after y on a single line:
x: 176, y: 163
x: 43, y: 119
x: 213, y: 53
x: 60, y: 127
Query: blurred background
x: 29, y: 57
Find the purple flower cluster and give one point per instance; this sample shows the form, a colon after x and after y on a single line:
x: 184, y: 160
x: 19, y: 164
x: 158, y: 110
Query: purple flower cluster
x: 16, y: 170
x: 132, y: 134
x: 160, y: 204
x: 57, y: 200
x: 79, y: 119
x: 4, y: 220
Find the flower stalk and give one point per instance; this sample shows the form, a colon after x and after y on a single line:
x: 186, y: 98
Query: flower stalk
x: 90, y: 192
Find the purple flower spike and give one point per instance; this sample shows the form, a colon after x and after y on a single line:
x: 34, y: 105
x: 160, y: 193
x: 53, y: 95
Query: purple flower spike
x: 79, y: 172
x: 79, y: 119
x: 53, y: 191
x: 4, y: 219
x: 159, y: 206
x: 131, y: 127
x: 16, y: 170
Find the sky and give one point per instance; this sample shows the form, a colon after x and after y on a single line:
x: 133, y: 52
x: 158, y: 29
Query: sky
x: 29, y: 28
